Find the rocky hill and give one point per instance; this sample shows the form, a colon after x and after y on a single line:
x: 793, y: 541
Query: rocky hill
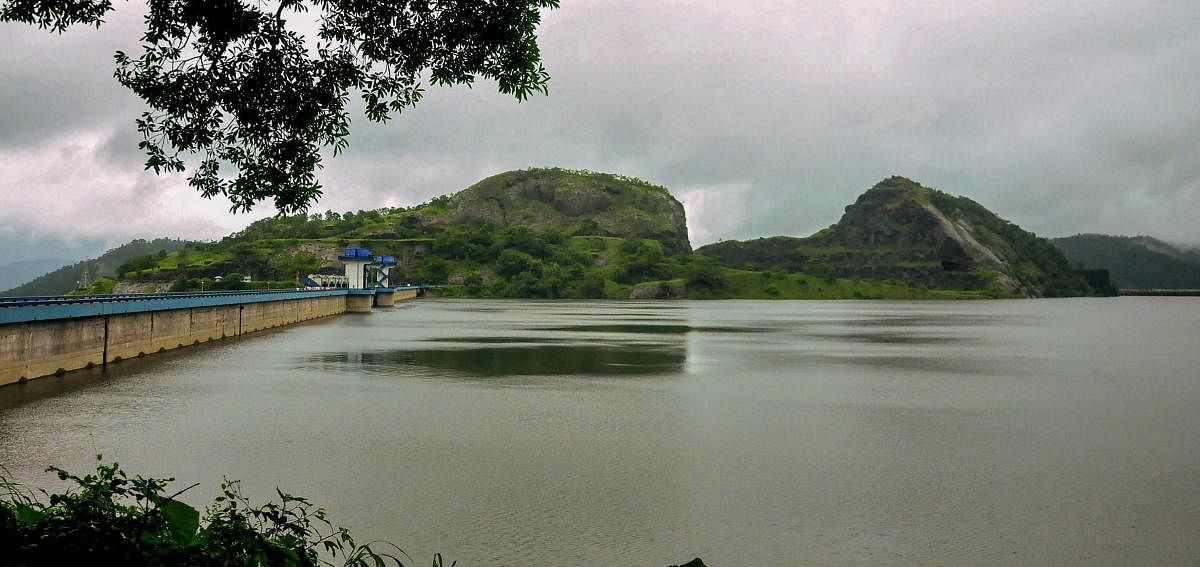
x: 529, y: 233
x: 902, y: 231
x: 580, y: 203
x: 1139, y: 262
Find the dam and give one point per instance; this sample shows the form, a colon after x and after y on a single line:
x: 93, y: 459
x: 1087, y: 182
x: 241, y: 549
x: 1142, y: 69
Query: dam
x: 44, y: 336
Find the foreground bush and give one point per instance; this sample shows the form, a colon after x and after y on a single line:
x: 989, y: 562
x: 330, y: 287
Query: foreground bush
x: 108, y: 518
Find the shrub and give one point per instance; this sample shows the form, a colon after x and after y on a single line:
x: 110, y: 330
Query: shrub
x: 108, y: 518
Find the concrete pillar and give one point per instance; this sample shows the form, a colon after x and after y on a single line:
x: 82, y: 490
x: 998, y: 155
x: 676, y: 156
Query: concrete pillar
x: 359, y: 303
x: 385, y: 298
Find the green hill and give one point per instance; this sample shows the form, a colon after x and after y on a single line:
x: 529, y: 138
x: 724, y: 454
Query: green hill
x: 67, y: 278
x: 530, y: 233
x: 902, y: 232
x: 1138, y: 262
x: 556, y: 233
x: 578, y: 203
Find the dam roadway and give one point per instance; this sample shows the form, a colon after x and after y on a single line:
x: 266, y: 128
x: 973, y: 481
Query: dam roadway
x: 44, y: 336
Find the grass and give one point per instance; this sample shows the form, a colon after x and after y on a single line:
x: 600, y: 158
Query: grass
x: 746, y: 284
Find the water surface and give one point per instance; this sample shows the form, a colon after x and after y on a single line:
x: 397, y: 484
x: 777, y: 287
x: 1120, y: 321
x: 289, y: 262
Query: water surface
x: 602, y: 433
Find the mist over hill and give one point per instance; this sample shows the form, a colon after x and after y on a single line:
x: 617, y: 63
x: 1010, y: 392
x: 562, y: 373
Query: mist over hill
x: 16, y: 273
x: 67, y: 278
x: 1137, y: 262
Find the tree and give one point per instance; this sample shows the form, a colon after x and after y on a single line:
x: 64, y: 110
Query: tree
x: 703, y: 273
x: 233, y: 84
x: 640, y: 260
x: 232, y: 281
x: 512, y: 263
x: 288, y: 266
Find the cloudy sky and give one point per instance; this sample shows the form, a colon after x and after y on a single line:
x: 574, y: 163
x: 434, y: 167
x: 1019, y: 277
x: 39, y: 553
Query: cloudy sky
x: 764, y: 117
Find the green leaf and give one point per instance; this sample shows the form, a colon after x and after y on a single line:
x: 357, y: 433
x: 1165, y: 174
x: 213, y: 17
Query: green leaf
x: 183, y: 519
x: 25, y: 514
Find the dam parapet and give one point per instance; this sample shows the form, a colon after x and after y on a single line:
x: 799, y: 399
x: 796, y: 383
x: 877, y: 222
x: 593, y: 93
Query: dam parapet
x: 43, y: 336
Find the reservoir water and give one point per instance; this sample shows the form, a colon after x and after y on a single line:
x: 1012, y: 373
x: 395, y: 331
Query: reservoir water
x: 627, y: 433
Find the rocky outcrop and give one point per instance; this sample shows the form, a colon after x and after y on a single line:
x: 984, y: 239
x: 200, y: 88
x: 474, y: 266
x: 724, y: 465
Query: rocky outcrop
x: 140, y: 287
x: 657, y: 290
x: 582, y: 203
x: 328, y: 253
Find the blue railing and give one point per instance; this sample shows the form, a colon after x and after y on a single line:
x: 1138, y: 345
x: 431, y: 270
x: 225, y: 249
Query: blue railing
x: 22, y: 310
x: 108, y: 298
x: 45, y: 308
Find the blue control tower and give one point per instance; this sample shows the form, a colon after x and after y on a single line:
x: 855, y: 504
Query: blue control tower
x: 357, y: 261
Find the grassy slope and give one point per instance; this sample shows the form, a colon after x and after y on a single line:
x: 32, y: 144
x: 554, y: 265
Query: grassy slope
x: 747, y: 284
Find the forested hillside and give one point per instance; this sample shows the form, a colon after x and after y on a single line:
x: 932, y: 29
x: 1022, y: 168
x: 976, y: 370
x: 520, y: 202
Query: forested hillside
x: 17, y: 273
x: 88, y: 272
x: 1137, y: 262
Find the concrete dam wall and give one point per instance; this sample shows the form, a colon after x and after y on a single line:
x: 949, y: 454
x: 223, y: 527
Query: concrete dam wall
x: 62, y: 336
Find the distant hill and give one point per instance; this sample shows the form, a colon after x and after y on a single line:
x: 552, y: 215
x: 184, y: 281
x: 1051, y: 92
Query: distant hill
x: 902, y: 231
x: 67, y: 278
x: 1137, y: 262
x: 17, y: 273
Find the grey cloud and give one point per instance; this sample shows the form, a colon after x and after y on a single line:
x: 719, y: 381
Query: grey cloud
x: 770, y: 117
x: 54, y: 84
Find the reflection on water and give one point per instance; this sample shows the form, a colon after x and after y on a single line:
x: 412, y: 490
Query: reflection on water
x: 891, y: 338
x: 650, y: 329
x: 531, y: 360
x: 935, y: 319
x: 497, y: 340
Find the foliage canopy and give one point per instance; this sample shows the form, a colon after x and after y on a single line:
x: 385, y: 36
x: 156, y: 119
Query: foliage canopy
x: 234, y: 83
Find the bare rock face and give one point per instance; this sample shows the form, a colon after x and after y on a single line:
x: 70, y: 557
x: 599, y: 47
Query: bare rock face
x: 328, y: 253
x: 658, y: 291
x: 582, y: 203
x: 140, y: 287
